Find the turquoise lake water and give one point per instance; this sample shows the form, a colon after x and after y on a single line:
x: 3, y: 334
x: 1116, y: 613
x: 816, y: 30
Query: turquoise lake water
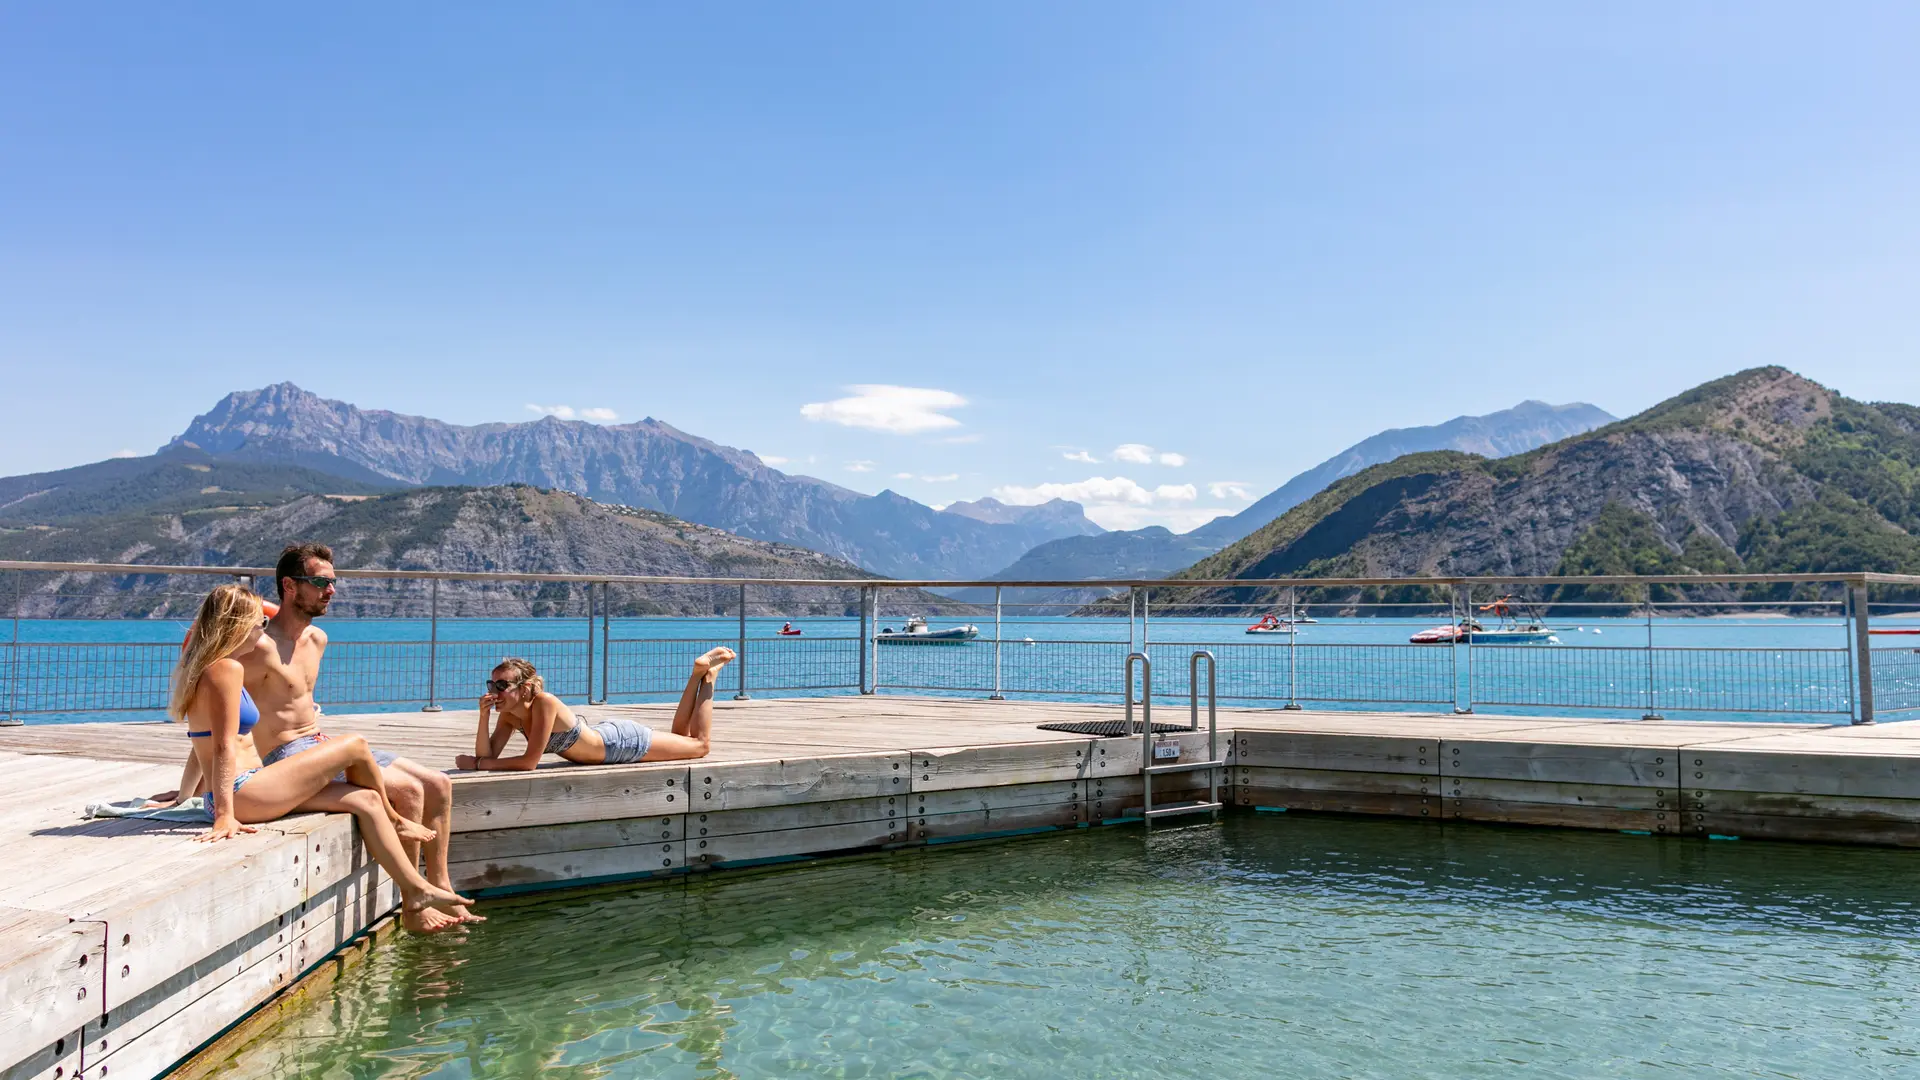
x: 1269, y: 946
x: 1752, y: 668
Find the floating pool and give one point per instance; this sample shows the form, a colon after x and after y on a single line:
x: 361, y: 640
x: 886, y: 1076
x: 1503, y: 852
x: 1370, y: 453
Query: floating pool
x: 1269, y: 946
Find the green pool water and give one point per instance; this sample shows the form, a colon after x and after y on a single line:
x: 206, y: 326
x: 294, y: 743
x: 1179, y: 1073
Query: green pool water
x: 1269, y: 946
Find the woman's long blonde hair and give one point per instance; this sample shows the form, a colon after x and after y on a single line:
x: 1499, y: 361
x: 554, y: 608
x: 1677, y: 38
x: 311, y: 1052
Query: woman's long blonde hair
x: 227, y: 616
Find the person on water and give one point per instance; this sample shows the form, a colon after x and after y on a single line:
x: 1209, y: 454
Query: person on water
x: 517, y: 701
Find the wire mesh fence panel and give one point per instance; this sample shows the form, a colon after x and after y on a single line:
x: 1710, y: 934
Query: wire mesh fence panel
x: 1080, y: 668
x: 1803, y: 681
x: 661, y: 665
x: 80, y: 677
x: 396, y: 672
x: 1542, y: 675
x: 1792, y: 681
x: 1365, y: 674
x: 803, y: 663
x: 1896, y: 679
x: 1330, y: 673
x: 926, y: 666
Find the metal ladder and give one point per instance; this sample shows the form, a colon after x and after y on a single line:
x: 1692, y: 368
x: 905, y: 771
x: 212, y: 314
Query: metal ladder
x: 1148, y: 770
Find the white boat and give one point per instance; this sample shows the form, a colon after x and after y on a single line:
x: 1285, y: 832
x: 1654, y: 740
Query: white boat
x: 1518, y: 625
x: 917, y: 632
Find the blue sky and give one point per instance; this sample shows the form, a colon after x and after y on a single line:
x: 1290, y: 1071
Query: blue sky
x: 1243, y: 236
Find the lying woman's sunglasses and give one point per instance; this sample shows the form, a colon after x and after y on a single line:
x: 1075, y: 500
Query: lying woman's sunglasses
x: 501, y: 686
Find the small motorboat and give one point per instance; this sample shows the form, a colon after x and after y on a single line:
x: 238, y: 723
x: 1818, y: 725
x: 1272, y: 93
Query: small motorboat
x: 1272, y: 624
x: 917, y: 632
x: 788, y: 630
x: 1517, y: 626
x: 1445, y: 635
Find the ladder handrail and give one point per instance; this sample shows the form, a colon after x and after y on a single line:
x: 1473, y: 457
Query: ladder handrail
x: 1146, y: 690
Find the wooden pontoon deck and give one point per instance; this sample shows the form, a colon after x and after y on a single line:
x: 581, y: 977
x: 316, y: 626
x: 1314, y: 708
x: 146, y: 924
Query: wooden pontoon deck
x: 125, y: 946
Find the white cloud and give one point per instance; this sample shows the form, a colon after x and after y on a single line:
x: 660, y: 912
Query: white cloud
x: 1118, y: 502
x: 568, y: 412
x: 903, y: 476
x: 859, y: 466
x: 773, y: 460
x: 124, y: 453
x: 1231, y: 489
x: 1134, y: 453
x: 1173, y: 459
x: 1082, y: 457
x: 897, y: 410
x: 943, y: 478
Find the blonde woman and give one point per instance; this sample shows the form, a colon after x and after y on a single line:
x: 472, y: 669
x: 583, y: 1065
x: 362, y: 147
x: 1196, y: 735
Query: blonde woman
x: 519, y: 695
x: 210, y: 696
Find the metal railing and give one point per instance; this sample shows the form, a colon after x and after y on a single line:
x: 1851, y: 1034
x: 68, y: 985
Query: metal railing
x: 613, y: 638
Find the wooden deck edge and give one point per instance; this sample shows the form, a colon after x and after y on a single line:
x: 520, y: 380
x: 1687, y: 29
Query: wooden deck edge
x: 318, y: 978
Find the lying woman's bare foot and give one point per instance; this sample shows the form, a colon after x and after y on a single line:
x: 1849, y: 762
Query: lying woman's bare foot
x: 427, y: 921
x: 465, y: 916
x: 412, y: 830
x: 713, y: 660
x: 433, y: 896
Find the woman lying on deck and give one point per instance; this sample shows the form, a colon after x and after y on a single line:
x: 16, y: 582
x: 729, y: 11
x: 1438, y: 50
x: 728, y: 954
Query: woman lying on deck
x: 210, y: 694
x: 519, y: 695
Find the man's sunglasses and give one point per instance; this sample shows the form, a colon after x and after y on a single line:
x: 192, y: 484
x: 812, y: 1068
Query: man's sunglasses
x: 501, y: 686
x: 315, y: 581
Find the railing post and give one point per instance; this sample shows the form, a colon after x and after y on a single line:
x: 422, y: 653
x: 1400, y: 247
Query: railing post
x: 13, y: 661
x: 1293, y: 664
x: 873, y: 640
x: 1653, y: 692
x: 588, y: 659
x: 996, y: 695
x: 866, y: 597
x: 1863, y: 648
x: 1466, y: 616
x: 740, y: 649
x: 1133, y: 618
x: 1453, y: 644
x: 606, y: 642
x: 433, y: 646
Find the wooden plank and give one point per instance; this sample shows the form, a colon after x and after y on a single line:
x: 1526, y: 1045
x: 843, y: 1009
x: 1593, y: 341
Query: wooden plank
x: 988, y: 822
x: 1342, y: 791
x: 52, y: 980
x: 499, y: 844
x: 1341, y: 752
x: 168, y: 949
x: 569, y: 794
x: 722, y: 851
x: 571, y: 867
x: 1561, y: 763
x: 1860, y: 775
x: 1029, y: 763
x: 346, y: 890
x: 1566, y: 815
x: 1340, y: 802
x: 984, y: 799
x: 798, y: 816
x: 163, y: 1046
x: 723, y: 786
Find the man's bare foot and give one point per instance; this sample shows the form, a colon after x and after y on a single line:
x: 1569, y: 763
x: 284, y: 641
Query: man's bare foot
x: 427, y: 921
x: 711, y: 661
x: 412, y: 830
x: 433, y: 896
x: 465, y: 916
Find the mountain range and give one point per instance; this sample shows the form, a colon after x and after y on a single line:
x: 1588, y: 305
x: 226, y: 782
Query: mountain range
x: 649, y: 465
x: 1155, y: 551
x: 1761, y: 471
x: 510, y: 528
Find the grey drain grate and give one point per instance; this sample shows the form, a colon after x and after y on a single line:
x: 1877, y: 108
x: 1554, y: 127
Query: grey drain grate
x: 1109, y: 729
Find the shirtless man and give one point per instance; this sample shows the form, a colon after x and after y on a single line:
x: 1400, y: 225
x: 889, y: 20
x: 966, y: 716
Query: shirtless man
x: 282, y: 669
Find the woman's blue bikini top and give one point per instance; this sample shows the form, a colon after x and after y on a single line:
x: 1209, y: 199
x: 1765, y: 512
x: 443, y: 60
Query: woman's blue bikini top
x: 249, y: 716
